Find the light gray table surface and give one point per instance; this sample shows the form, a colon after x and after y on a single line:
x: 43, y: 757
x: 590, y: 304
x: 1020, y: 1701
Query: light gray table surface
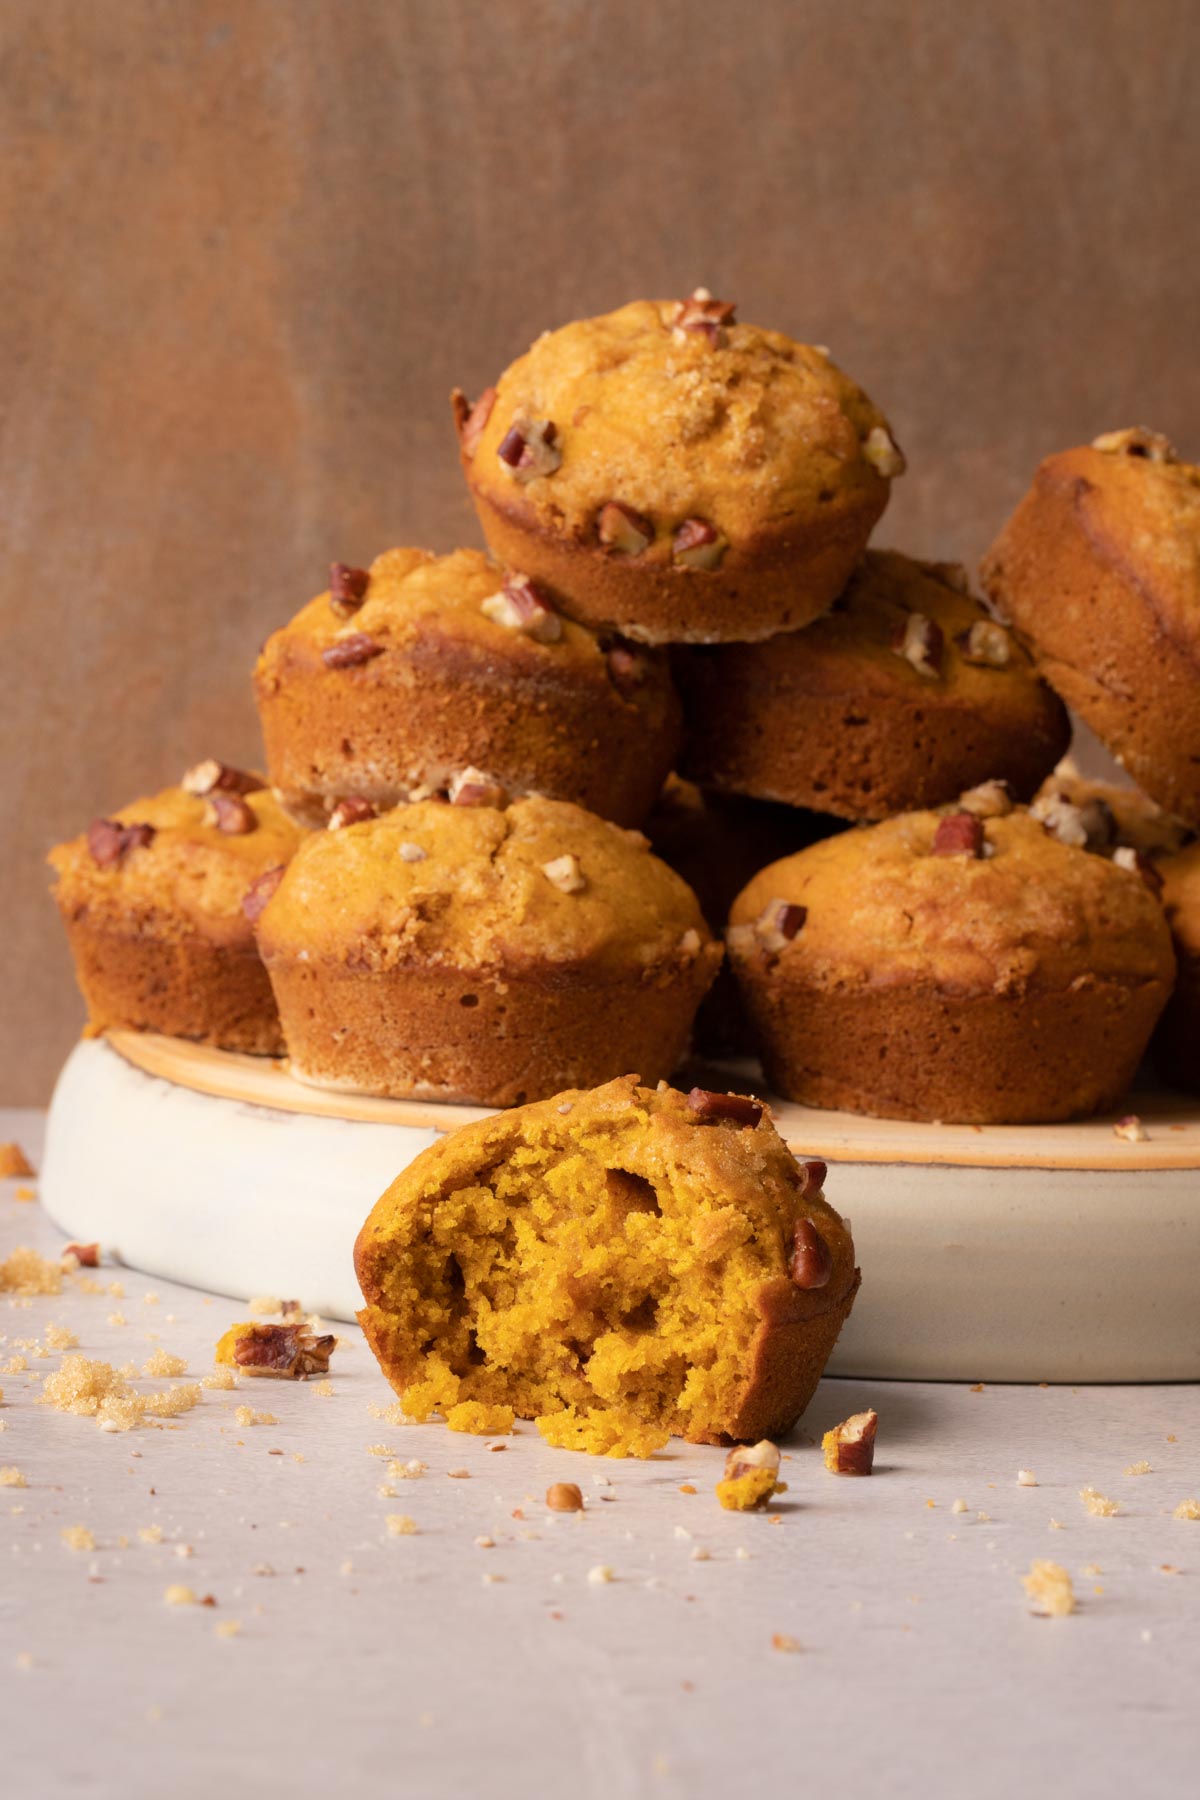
x: 392, y: 1664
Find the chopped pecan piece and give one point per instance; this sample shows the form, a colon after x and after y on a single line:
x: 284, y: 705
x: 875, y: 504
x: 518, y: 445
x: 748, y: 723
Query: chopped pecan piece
x: 698, y: 545
x: 471, y: 787
x: 206, y: 777
x: 620, y: 527
x: 86, y: 1255
x: 1131, y: 1129
x: 261, y: 892
x: 986, y: 644
x: 1136, y: 440
x: 1090, y: 825
x: 529, y: 448
x: 348, y: 652
x: 522, y: 605
x: 230, y: 814
x: 565, y: 873
x: 1126, y: 857
x: 990, y: 800
x: 850, y: 1447
x: 287, y: 1352
x: 626, y: 669
x: 750, y: 1477
x: 884, y: 453
x: 959, y: 834
x: 745, y: 1457
x: 812, y: 1174
x: 811, y: 1262
x: 920, y: 642
x: 779, y: 923
x: 702, y: 314
x: 353, y: 810
x: 347, y: 588
x: 710, y: 1108
x: 564, y: 1496
x: 109, y: 841
x: 471, y: 420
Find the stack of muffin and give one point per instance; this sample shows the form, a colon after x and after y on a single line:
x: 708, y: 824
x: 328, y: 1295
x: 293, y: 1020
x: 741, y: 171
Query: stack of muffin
x: 442, y: 887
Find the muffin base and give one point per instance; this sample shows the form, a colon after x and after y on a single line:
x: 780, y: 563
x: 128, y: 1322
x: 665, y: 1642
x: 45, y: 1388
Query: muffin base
x: 979, y: 1059
x: 777, y: 584
x: 183, y: 987
x: 484, y: 1037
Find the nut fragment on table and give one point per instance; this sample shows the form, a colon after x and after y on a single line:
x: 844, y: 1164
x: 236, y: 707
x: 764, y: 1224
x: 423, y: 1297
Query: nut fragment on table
x: 564, y: 1496
x: 286, y: 1352
x: 1048, y: 1586
x: 919, y: 640
x: 1131, y: 1129
x: 14, y: 1163
x: 751, y: 1477
x: 850, y: 1447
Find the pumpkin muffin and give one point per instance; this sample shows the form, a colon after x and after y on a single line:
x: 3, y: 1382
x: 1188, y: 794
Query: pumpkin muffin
x: 1099, y: 570
x: 964, y: 965
x: 902, y: 695
x: 159, y: 902
x: 1177, y: 1042
x: 467, y: 952
x: 677, y: 475
x: 620, y: 1265
x: 404, y: 674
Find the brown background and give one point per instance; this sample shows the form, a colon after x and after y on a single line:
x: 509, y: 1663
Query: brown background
x: 251, y: 244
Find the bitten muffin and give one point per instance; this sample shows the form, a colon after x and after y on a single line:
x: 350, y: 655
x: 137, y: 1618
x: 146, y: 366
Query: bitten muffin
x: 677, y: 475
x: 952, y: 967
x: 404, y: 675
x: 159, y: 902
x: 1099, y: 570
x: 902, y: 695
x: 465, y: 952
x: 620, y: 1265
x: 1177, y: 1041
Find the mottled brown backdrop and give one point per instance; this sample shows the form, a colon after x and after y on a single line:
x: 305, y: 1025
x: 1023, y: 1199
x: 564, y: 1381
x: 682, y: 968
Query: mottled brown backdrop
x: 251, y: 244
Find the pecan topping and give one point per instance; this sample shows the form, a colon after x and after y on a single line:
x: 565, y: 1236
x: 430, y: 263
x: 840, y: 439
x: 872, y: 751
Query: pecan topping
x: 205, y: 777
x: 710, y: 1108
x: 779, y: 923
x: 811, y: 1263
x: 529, y: 448
x: 288, y: 1352
x: 230, y: 814
x: 522, y: 605
x: 261, y: 892
x: 353, y: 810
x: 1137, y: 441
x: 1126, y: 857
x: 883, y: 453
x: 959, y: 834
x: 812, y: 1174
x: 986, y: 644
x: 347, y: 588
x: 471, y: 420
x: 702, y: 314
x: 565, y: 873
x: 919, y: 641
x: 626, y: 669
x: 850, y: 1447
x: 109, y: 841
x: 990, y: 800
x: 619, y: 527
x: 564, y: 1496
x: 86, y: 1255
x: 1131, y: 1129
x: 471, y: 787
x: 347, y: 652
x: 698, y: 545
x: 1090, y: 825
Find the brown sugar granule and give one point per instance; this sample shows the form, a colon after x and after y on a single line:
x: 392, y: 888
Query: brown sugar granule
x: 1099, y: 1505
x: 25, y: 1272
x: 12, y: 1477
x: 1048, y: 1586
x: 14, y: 1162
x: 400, y: 1525
x: 77, y: 1537
x: 58, y: 1337
x: 220, y: 1378
x: 246, y: 1415
x: 1187, y: 1509
x: 1139, y: 1468
x: 163, y: 1363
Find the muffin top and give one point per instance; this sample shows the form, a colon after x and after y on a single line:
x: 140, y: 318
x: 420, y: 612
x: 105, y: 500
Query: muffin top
x: 461, y: 609
x: 541, y: 881
x: 1139, y: 504
x: 1181, y: 897
x: 897, y: 902
x: 672, y: 411
x: 179, y: 862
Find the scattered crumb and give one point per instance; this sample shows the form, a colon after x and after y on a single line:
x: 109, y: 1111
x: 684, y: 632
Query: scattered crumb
x: 481, y: 1420
x: 1099, y: 1505
x: 246, y: 1415
x: 12, y: 1477
x: 700, y: 1554
x: 687, y: 1487
x: 261, y: 1304
x: 751, y: 1477
x: 1187, y: 1509
x: 1057, y: 1525
x: 1139, y: 1468
x: 960, y: 1506
x: 1049, y: 1589
x: 600, y: 1574
x: 1026, y: 1478
x: 977, y: 1387
x: 150, y: 1534
x: 117, y: 1318
x: 163, y: 1363
x: 1131, y: 1129
x: 782, y: 1641
x: 458, y: 1474
x: 178, y: 1595
x: 406, y: 1471
x: 742, y: 1554
x: 25, y: 1272
x: 484, y: 1542
x: 77, y: 1537
x: 227, y: 1628
x: 23, y: 1659
x: 400, y: 1525
x: 490, y: 1578
x: 14, y: 1163
x: 25, y: 1195
x: 220, y: 1378
x: 58, y: 1337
